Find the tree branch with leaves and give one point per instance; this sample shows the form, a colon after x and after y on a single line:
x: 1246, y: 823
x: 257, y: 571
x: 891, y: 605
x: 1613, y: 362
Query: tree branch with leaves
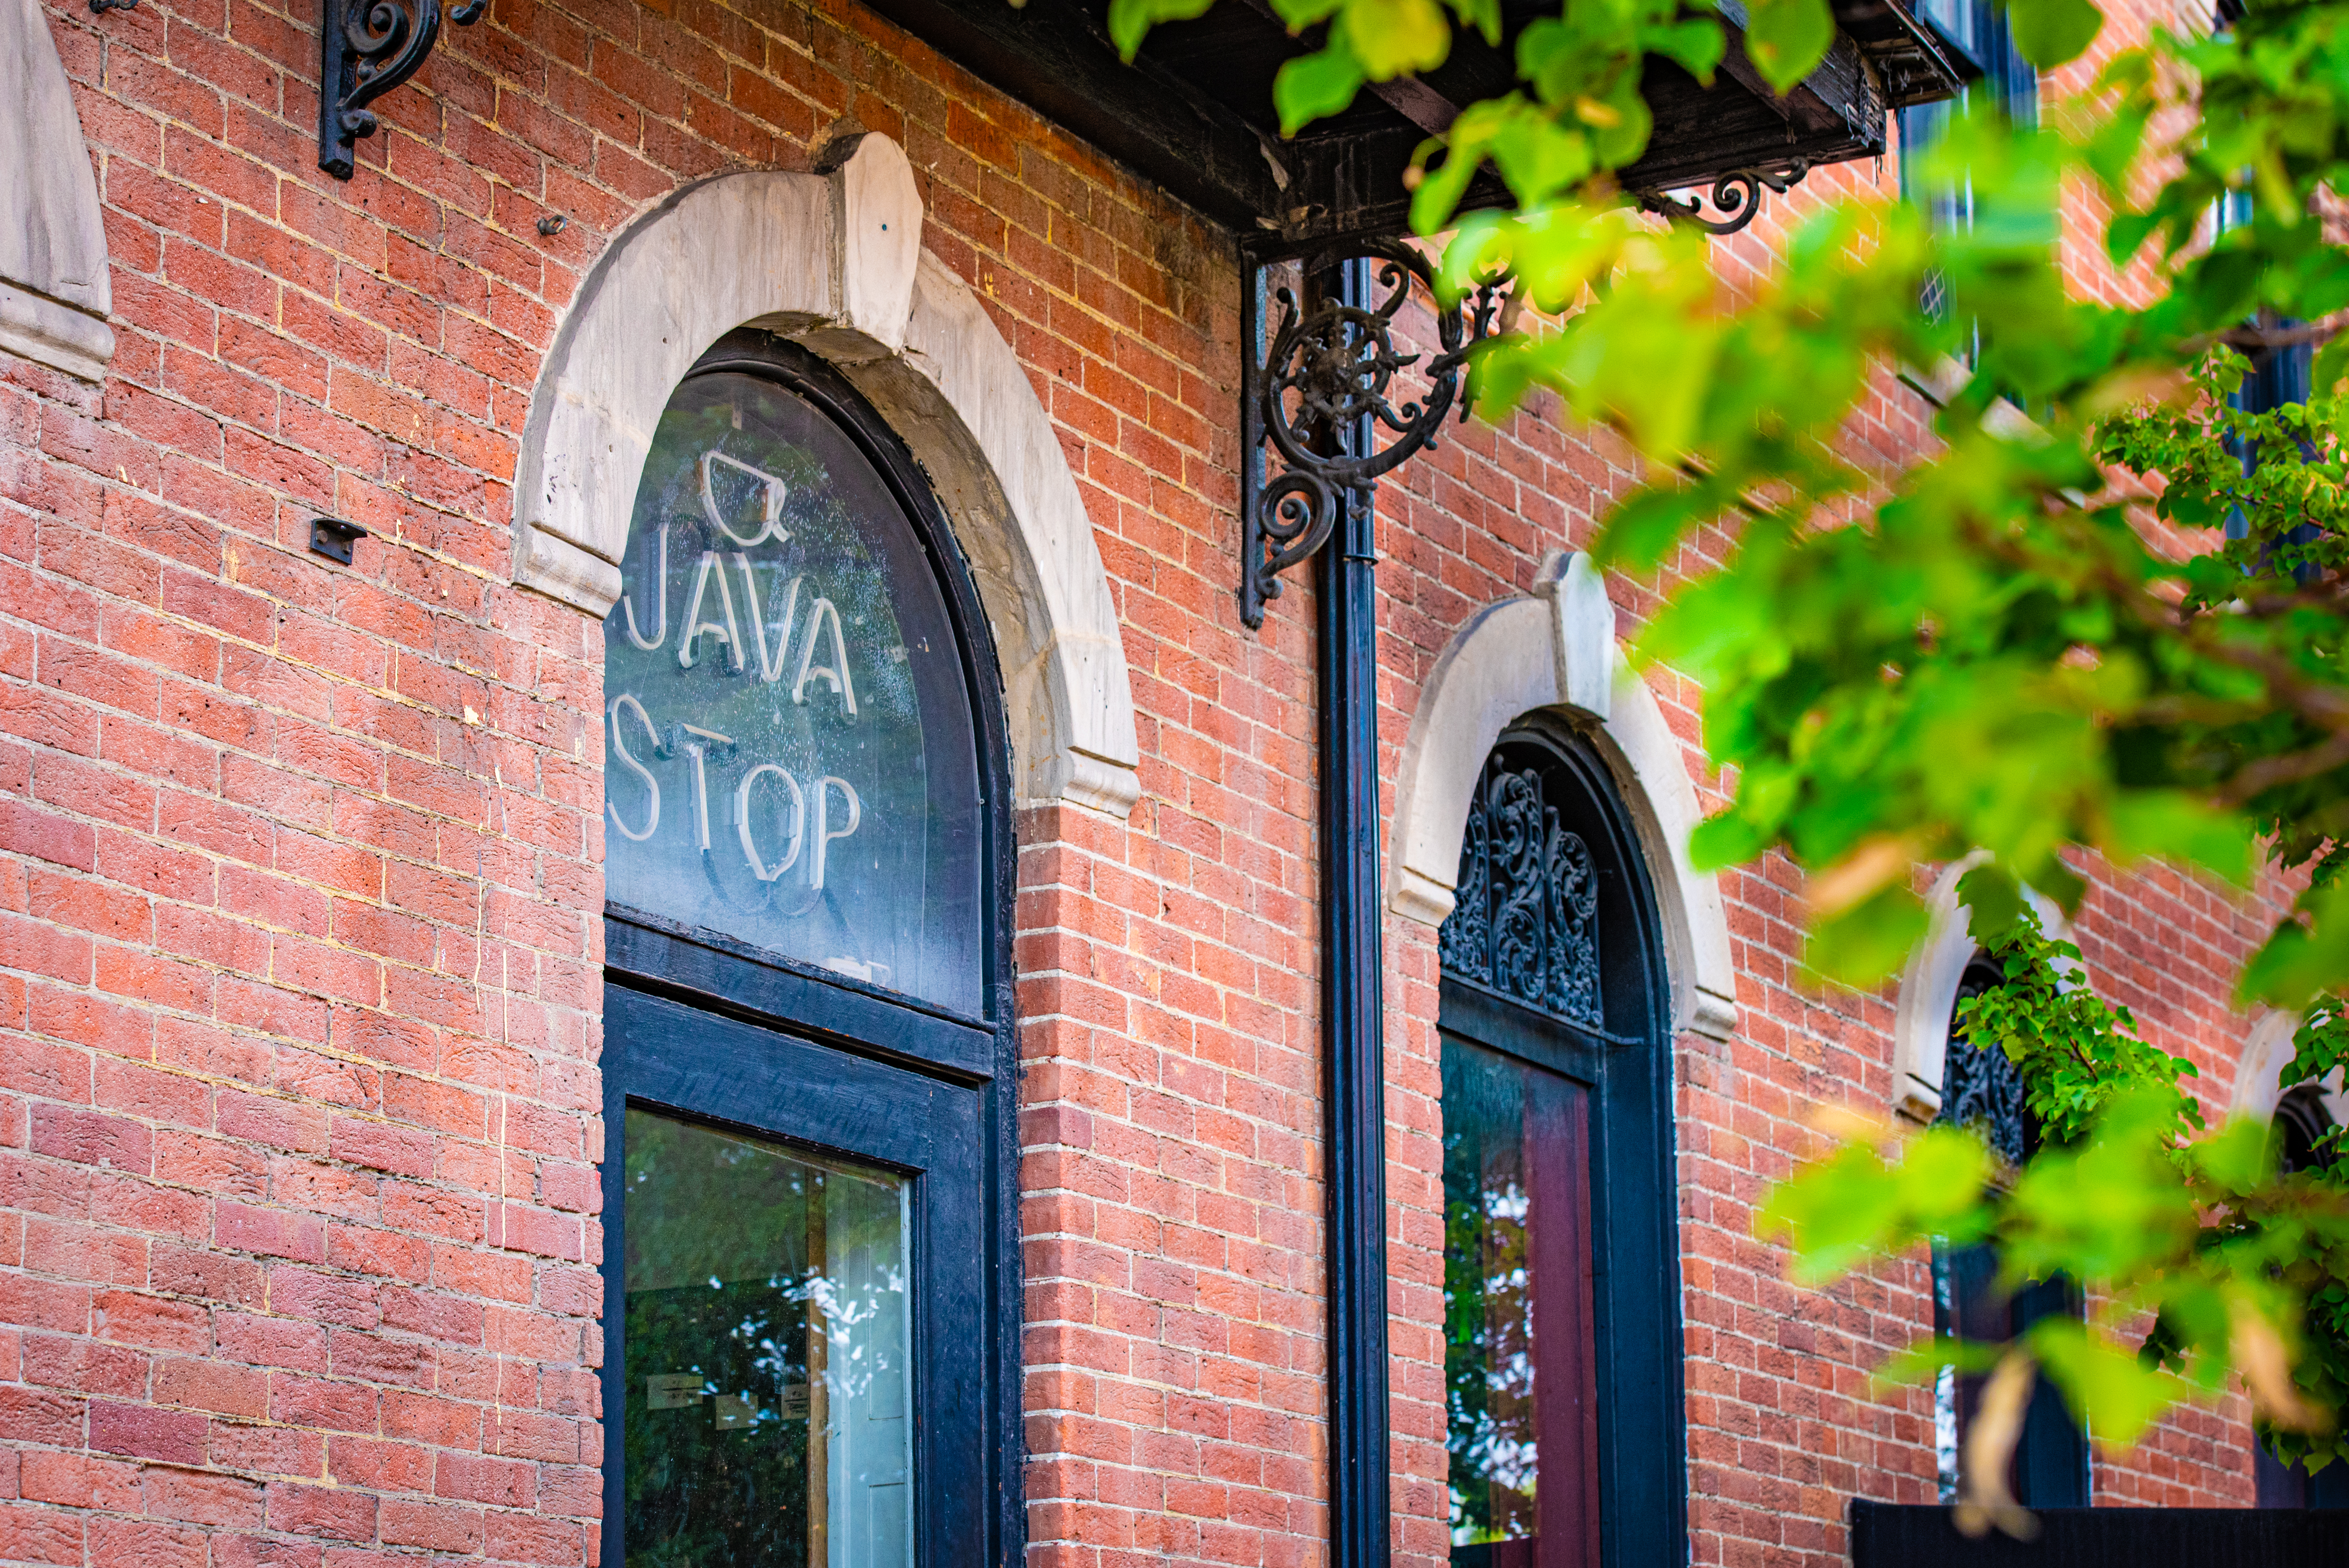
x: 2108, y: 615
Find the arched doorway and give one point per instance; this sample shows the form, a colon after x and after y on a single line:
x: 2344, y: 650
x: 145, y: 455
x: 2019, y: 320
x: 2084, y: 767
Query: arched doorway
x: 1562, y: 1286
x: 810, y: 1309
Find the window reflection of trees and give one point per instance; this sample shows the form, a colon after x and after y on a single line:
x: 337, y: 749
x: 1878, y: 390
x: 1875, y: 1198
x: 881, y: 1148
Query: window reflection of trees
x: 1487, y: 1303
x: 733, y: 1266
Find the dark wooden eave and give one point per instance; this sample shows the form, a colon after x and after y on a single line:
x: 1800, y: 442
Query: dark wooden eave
x: 1194, y: 113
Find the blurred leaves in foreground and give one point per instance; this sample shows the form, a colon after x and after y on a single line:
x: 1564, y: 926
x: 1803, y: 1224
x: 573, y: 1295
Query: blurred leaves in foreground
x: 2106, y: 614
x: 2200, y: 1259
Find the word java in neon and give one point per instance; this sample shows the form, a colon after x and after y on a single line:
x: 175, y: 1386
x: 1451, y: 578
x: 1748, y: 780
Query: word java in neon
x: 718, y: 632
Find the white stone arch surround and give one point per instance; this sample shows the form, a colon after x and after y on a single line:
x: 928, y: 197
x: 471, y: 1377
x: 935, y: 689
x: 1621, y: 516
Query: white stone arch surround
x: 1929, y: 991
x: 1556, y: 649
x: 835, y: 260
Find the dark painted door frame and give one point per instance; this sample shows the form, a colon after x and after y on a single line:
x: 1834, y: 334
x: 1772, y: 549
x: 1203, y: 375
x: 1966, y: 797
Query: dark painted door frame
x: 1625, y: 1064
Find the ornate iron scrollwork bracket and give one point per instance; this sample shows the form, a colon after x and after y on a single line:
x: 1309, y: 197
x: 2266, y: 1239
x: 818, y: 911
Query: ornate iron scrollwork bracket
x: 366, y: 48
x: 1737, y: 196
x: 1323, y: 393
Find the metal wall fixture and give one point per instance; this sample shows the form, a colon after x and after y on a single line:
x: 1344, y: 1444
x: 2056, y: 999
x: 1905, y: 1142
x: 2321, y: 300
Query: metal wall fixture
x: 1324, y: 394
x: 366, y: 48
x: 333, y: 538
x: 1737, y: 196
x: 1321, y: 398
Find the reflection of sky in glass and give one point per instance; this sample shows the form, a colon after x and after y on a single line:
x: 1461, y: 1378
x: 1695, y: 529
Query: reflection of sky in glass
x: 766, y: 768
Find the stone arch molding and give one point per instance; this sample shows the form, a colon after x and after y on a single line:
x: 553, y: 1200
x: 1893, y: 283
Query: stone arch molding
x: 1556, y: 649
x: 835, y: 260
x: 2259, y: 1078
x: 1929, y: 990
x: 55, y: 294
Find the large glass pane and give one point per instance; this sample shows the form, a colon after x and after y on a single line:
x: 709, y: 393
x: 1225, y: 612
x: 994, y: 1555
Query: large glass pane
x: 789, y: 760
x: 1521, y: 1404
x: 768, y: 1355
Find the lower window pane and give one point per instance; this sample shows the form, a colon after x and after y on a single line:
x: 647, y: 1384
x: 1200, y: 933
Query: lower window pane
x: 1521, y: 1405
x: 768, y: 1355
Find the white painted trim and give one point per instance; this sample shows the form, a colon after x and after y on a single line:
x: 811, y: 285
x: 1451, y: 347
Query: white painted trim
x: 54, y: 292
x: 834, y: 262
x: 2259, y: 1077
x: 1929, y: 991
x: 1556, y: 650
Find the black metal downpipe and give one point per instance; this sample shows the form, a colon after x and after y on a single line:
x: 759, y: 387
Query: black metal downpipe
x: 1352, y: 1032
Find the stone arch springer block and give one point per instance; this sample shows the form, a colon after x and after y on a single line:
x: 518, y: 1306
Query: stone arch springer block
x: 833, y: 261
x: 54, y: 292
x: 1556, y: 649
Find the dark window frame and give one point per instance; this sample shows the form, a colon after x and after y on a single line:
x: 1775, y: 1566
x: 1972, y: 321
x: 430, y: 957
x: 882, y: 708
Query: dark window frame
x: 802, y: 1044
x: 1634, y: 1180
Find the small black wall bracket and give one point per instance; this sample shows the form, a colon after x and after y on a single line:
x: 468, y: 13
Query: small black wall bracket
x: 366, y: 48
x: 333, y: 538
x: 1737, y: 196
x: 1322, y: 395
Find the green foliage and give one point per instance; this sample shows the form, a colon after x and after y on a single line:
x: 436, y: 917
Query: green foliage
x: 1854, y: 1206
x: 2109, y: 616
x: 2077, y: 1054
x: 2241, y: 1268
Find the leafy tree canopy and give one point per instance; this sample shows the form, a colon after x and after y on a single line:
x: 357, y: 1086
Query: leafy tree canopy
x: 2108, y: 613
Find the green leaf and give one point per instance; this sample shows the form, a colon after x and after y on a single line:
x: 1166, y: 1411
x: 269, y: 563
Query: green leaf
x: 1314, y: 87
x: 1300, y: 15
x: 1788, y: 39
x: 1993, y: 902
x: 2331, y: 366
x: 1927, y: 1357
x: 1695, y: 45
x: 1870, y: 942
x: 1837, y: 1211
x: 1130, y: 21
x: 2177, y: 827
x: 2119, y: 1395
x: 1639, y: 534
x: 1393, y: 37
x: 2052, y: 33
x: 2307, y: 956
x: 1485, y: 15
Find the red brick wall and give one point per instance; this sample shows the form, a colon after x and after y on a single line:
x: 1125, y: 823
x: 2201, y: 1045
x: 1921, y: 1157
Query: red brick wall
x: 299, y: 871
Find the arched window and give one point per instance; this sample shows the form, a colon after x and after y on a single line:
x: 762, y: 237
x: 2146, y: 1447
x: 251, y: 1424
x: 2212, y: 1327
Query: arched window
x: 1983, y: 1088
x: 1561, y: 1271
x: 809, y: 1286
x: 2302, y: 1124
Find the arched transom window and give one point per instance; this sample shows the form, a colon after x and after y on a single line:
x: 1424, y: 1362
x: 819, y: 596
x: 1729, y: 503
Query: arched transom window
x: 789, y: 761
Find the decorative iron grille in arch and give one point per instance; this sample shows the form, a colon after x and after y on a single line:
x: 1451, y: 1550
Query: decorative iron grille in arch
x: 1527, y: 922
x: 1981, y: 1087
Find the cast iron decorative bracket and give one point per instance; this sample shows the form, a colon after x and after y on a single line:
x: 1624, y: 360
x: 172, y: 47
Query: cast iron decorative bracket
x: 1328, y: 373
x: 1736, y: 195
x: 366, y: 48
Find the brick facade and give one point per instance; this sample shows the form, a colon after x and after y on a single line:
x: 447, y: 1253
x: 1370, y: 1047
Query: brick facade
x: 300, y: 882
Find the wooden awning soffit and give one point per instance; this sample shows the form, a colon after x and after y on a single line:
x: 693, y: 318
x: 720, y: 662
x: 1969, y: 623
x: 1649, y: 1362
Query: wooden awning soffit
x: 1194, y: 113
